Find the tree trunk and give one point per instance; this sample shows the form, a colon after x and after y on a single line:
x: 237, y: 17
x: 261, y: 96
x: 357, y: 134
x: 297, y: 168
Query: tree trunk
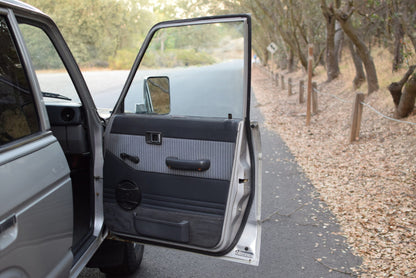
x: 359, y: 78
x: 264, y: 57
x: 398, y: 44
x: 407, y: 19
x: 291, y: 62
x: 332, y: 65
x: 407, y: 100
x: 339, y: 40
x: 318, y: 56
x: 287, y: 36
x: 362, y: 49
x: 413, y: 40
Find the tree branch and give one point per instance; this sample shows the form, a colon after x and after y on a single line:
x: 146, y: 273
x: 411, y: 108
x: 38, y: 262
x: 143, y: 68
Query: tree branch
x: 335, y: 269
x: 407, y: 75
x: 277, y: 213
x: 319, y: 57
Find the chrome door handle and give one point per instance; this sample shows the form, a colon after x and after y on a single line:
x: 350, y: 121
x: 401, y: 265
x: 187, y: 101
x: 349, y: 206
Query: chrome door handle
x: 8, y: 232
x: 8, y: 223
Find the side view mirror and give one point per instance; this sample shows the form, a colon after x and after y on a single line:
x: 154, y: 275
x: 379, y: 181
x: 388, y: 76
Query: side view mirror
x: 157, y: 95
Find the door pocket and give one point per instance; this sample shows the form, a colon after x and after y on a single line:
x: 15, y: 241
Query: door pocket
x: 175, y: 231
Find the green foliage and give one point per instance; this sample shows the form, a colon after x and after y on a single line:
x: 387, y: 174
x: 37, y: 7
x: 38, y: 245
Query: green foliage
x: 42, y: 52
x: 191, y: 46
x: 176, y: 58
x: 96, y: 30
x: 189, y: 57
x: 108, y: 32
x: 123, y: 59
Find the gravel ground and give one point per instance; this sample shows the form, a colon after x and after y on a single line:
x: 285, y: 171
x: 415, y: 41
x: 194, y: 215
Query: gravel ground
x: 369, y: 185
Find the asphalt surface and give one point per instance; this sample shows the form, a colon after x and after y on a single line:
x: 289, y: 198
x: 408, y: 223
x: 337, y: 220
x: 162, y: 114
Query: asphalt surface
x: 300, y: 237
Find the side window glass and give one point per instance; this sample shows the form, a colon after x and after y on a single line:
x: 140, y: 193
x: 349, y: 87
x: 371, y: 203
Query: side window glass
x: 18, y: 115
x: 195, y: 70
x: 54, y: 80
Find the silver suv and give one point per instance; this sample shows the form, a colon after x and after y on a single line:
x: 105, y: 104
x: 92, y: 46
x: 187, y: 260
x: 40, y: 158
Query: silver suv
x: 175, y: 163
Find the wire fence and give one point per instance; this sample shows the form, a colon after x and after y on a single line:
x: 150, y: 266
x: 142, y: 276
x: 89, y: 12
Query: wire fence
x: 368, y: 105
x: 291, y: 84
x: 386, y: 117
x: 334, y: 96
x: 351, y: 102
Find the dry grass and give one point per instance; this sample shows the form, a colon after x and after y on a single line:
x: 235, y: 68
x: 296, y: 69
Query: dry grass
x: 369, y: 185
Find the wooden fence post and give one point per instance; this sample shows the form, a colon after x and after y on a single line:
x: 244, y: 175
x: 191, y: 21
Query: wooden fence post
x: 301, y: 91
x: 356, y: 117
x: 314, y: 98
x: 289, y: 86
x: 283, y: 82
x: 309, y: 98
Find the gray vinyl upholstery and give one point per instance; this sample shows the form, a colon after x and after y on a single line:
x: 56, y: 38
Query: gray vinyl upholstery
x: 153, y: 157
x: 186, y: 207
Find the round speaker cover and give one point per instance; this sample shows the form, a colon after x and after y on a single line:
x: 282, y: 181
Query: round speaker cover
x: 67, y: 114
x: 128, y: 195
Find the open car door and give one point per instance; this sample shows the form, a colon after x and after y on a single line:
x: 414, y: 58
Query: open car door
x: 181, y: 165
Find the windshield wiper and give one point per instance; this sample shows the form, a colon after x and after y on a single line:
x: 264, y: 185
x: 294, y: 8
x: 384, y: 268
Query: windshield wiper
x: 26, y: 91
x: 54, y: 95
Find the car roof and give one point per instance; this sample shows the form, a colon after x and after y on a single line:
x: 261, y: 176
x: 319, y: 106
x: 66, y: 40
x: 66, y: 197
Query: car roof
x: 19, y: 5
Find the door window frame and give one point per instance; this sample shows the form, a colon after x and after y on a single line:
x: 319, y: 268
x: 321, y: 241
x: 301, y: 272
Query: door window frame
x: 245, y: 121
x: 24, y: 58
x: 119, y: 106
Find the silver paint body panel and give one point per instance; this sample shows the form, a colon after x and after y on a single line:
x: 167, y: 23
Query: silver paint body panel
x: 36, y: 190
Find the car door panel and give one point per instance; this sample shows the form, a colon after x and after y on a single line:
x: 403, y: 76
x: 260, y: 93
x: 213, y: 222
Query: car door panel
x: 36, y: 211
x: 41, y: 202
x: 179, y: 165
x: 180, y: 205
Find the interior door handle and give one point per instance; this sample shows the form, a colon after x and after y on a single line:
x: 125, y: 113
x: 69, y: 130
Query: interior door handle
x: 132, y: 158
x: 199, y: 165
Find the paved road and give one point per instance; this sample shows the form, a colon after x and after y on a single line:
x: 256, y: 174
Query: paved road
x: 106, y: 86
x: 299, y: 237
x: 195, y: 89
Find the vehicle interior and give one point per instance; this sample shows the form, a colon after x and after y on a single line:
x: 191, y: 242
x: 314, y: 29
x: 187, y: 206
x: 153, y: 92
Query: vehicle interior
x: 68, y: 124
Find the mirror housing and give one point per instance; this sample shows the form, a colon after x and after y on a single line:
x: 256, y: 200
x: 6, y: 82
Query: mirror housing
x: 141, y: 108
